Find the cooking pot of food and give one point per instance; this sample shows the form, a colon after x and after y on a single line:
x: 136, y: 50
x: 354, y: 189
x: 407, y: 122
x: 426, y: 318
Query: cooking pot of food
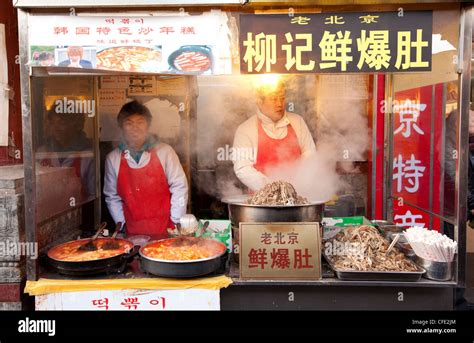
x: 182, y: 257
x: 68, y: 259
x: 241, y: 211
x: 276, y: 202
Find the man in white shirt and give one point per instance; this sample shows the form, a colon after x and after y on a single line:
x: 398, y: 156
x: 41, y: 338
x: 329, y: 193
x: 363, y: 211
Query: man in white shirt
x: 145, y: 186
x: 277, y: 137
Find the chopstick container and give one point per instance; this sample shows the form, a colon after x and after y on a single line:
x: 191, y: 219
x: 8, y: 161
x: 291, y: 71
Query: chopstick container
x: 438, y: 271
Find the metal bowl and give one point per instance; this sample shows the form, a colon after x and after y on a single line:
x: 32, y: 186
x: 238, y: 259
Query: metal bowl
x: 438, y: 271
x: 185, y: 268
x: 240, y: 211
x: 391, y: 229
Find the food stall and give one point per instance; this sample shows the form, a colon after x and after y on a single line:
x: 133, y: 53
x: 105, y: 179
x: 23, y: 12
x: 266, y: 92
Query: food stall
x: 384, y: 90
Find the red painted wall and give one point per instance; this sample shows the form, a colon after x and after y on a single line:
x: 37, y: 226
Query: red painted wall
x: 8, y: 16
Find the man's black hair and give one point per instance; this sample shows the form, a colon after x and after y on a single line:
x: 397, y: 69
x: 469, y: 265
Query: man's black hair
x: 131, y: 108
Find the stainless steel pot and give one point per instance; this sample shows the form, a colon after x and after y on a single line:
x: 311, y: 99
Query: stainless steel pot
x: 240, y: 211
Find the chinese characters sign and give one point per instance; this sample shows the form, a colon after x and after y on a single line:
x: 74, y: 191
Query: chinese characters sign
x: 342, y: 42
x: 123, y: 30
x: 280, y: 251
x: 416, y: 177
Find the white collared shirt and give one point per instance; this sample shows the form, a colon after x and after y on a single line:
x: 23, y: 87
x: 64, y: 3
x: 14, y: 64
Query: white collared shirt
x: 276, y: 130
x: 246, y: 138
x: 175, y: 176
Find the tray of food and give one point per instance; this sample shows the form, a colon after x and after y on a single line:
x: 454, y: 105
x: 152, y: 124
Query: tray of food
x: 360, y: 253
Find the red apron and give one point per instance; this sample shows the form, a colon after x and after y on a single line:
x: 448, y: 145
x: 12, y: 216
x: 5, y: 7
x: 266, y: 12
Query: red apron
x: 146, y: 198
x: 272, y: 152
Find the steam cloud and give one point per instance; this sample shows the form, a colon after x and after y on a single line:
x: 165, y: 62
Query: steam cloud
x: 334, y: 108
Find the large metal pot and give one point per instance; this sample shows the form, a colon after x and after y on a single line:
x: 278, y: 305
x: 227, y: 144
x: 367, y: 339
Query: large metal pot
x: 240, y: 211
x: 182, y: 269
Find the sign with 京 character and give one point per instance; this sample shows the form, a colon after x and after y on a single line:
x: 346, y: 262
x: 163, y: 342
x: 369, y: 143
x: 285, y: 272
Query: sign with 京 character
x: 417, y: 177
x: 336, y: 42
x: 280, y: 251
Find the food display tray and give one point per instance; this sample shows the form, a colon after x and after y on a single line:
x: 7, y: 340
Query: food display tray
x: 356, y: 275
